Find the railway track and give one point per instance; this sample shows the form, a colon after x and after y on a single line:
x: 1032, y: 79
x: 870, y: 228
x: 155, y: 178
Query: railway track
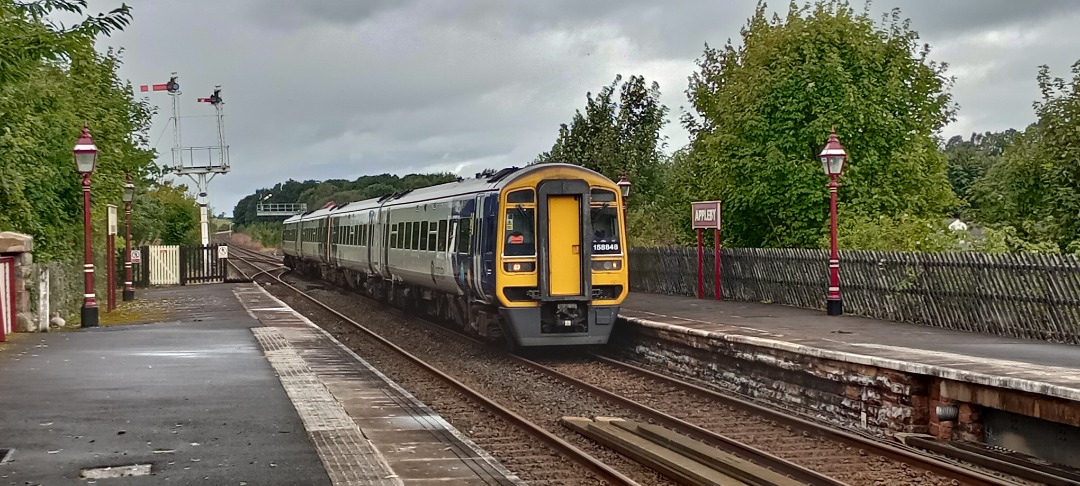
x: 806, y: 451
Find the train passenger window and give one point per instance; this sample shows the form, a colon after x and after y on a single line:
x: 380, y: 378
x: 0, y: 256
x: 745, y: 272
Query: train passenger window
x: 408, y: 236
x: 605, y: 225
x: 361, y: 234
x: 401, y: 236
x: 520, y: 237
x: 442, y: 235
x: 464, y: 232
x: 423, y: 236
x: 416, y: 236
x: 522, y: 196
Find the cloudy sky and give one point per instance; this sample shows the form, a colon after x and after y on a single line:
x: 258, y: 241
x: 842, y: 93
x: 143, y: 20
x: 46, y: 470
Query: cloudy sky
x: 318, y: 89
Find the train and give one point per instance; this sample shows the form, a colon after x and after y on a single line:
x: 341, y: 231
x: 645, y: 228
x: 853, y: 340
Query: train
x: 529, y: 257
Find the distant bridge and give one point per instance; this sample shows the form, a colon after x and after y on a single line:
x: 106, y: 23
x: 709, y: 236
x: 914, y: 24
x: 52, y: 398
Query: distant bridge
x: 280, y: 209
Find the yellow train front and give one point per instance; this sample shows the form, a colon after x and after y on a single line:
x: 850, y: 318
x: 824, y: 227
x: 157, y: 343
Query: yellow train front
x: 561, y: 258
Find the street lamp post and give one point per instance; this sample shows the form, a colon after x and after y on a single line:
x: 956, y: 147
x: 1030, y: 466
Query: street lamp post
x: 833, y: 157
x: 129, y: 196
x: 85, y: 157
x: 624, y: 188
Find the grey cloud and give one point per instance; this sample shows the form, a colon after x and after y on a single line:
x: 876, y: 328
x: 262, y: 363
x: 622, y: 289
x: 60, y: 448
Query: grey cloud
x: 321, y: 89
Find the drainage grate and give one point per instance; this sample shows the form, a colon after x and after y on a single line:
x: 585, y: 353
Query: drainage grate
x: 115, y: 471
x: 5, y: 455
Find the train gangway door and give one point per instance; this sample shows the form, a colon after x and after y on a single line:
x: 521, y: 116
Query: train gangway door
x: 164, y: 264
x: 7, y: 297
x: 564, y: 244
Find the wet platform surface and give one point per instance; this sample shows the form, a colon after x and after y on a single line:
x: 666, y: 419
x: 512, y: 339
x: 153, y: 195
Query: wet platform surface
x: 221, y: 392
x: 194, y: 397
x: 1035, y: 366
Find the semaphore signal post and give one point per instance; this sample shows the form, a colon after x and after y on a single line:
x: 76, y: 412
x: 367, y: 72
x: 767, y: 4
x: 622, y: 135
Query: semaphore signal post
x: 189, y: 161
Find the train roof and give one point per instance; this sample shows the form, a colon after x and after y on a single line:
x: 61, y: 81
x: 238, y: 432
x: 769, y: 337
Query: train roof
x: 480, y: 183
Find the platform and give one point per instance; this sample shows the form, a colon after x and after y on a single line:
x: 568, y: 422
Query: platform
x: 1032, y: 366
x: 876, y: 376
x: 230, y: 387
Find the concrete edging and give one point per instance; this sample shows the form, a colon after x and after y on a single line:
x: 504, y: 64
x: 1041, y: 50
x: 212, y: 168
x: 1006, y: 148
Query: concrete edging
x: 1010, y: 383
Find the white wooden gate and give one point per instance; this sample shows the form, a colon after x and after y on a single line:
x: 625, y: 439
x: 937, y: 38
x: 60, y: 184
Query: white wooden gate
x: 164, y: 264
x: 7, y: 296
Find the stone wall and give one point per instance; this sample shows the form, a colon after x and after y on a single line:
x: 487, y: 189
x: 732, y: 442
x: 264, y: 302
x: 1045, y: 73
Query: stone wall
x: 21, y: 247
x: 877, y: 400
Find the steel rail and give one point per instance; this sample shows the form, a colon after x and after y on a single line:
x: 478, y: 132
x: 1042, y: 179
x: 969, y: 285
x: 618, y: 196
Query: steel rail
x: 897, y: 453
x: 603, y: 470
x: 951, y: 471
x: 753, y: 454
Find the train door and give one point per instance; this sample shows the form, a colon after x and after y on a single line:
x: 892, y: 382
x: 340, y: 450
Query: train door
x: 563, y: 217
x: 476, y: 247
x: 564, y: 244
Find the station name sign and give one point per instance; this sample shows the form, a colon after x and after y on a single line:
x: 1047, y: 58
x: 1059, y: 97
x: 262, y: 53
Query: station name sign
x: 706, y: 214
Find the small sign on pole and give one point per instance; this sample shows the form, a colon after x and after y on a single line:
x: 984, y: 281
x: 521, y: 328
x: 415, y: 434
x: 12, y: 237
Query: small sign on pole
x: 707, y: 215
x: 223, y: 251
x: 112, y: 219
x: 136, y: 256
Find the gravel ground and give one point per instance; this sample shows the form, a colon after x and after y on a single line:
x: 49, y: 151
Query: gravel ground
x: 530, y: 394
x: 855, y: 467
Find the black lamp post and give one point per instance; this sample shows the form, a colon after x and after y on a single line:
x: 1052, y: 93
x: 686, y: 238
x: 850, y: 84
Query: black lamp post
x: 833, y: 157
x: 85, y: 158
x: 129, y: 196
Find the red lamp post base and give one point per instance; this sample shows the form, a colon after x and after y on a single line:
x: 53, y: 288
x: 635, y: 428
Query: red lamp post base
x: 834, y: 307
x: 89, y: 316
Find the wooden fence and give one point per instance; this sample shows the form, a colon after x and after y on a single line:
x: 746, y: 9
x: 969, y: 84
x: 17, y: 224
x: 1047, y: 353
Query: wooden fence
x: 1012, y: 295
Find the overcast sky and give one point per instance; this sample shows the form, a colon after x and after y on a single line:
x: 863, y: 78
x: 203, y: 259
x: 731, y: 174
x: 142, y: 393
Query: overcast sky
x: 319, y: 89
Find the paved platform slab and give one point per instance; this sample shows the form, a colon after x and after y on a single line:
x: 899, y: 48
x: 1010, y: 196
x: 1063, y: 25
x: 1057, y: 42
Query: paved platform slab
x: 193, y: 397
x: 1033, y: 366
x: 367, y: 429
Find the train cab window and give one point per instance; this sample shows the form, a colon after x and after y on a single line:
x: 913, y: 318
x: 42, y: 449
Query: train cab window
x: 520, y: 235
x: 605, y: 225
x: 602, y: 195
x: 393, y: 236
x: 442, y: 235
x: 423, y: 236
x: 522, y: 196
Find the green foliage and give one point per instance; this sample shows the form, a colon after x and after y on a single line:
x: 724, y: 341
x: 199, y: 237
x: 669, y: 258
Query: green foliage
x: 970, y: 159
x: 1034, y: 187
x: 615, y: 137
x: 51, y: 82
x: 165, y: 215
x: 267, y: 233
x: 764, y: 110
x: 317, y: 194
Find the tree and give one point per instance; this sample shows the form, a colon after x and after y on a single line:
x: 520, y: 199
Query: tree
x: 1034, y: 187
x: 970, y: 159
x: 764, y: 111
x: 612, y: 138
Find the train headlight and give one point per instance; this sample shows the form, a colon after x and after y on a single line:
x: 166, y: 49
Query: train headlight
x: 516, y: 267
x: 607, y: 265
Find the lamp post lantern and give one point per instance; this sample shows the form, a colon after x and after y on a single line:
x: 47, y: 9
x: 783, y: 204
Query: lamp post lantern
x: 624, y: 188
x: 833, y: 157
x: 85, y: 157
x: 129, y: 196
